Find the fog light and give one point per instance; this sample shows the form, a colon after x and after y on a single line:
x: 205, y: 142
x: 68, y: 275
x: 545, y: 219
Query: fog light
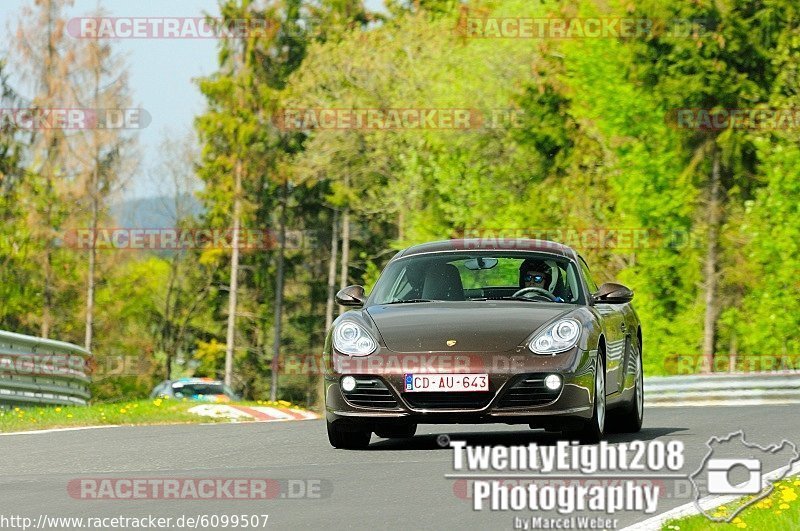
x: 348, y: 383
x: 553, y: 382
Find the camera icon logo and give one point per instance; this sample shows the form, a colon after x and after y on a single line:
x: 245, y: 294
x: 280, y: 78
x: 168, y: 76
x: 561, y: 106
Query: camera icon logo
x: 719, y: 476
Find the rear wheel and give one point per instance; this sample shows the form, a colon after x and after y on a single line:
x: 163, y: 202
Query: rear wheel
x: 350, y: 439
x: 400, y: 431
x: 592, y: 430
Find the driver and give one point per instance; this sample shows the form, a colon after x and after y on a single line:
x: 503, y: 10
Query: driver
x: 536, y: 274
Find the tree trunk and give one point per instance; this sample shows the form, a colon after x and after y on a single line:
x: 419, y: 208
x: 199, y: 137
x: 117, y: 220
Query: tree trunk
x: 94, y: 198
x: 710, y: 269
x: 51, y: 150
x: 87, y: 342
x: 345, y: 249
x: 234, y: 281
x: 733, y: 351
x: 332, y: 271
x: 276, y: 341
x: 47, y: 299
x: 401, y: 226
x: 168, y: 342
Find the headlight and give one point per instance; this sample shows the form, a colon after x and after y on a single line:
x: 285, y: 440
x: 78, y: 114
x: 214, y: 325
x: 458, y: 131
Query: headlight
x: 558, y: 337
x: 351, y: 339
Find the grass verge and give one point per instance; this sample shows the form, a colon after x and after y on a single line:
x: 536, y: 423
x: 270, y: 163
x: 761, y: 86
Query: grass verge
x: 779, y: 510
x: 158, y: 411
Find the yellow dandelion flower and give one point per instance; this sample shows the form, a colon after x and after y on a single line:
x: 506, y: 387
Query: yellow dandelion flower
x: 123, y: 410
x: 58, y: 410
x: 788, y: 495
x: 741, y: 524
x: 783, y: 506
x: 69, y: 415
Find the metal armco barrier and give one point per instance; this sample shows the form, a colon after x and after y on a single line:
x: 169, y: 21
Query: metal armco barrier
x: 726, y: 386
x: 37, y: 371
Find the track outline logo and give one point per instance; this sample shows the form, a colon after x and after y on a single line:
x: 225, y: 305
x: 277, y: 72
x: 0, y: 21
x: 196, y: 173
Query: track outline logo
x: 737, y: 490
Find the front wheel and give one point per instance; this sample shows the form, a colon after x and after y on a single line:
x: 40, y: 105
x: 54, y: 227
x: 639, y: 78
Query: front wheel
x: 592, y: 430
x: 629, y: 419
x: 347, y: 439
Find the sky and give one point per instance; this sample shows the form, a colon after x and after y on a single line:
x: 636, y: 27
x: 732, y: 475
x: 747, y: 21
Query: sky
x: 160, y: 71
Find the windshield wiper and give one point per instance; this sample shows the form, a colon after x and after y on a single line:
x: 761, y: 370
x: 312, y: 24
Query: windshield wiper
x: 409, y: 301
x: 526, y: 299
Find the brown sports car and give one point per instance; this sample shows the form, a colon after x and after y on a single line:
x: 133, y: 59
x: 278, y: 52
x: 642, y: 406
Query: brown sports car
x: 473, y: 331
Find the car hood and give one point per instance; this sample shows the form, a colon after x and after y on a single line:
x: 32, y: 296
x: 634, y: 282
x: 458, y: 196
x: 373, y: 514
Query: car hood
x: 479, y: 326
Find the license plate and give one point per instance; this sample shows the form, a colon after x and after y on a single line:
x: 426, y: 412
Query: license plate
x: 446, y: 382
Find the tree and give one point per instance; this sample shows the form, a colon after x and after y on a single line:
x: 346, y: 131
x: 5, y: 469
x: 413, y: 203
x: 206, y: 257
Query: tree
x: 240, y: 139
x: 45, y: 58
x: 724, y: 66
x: 101, y: 154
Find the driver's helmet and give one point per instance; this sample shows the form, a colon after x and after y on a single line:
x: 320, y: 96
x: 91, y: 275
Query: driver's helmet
x: 535, y: 273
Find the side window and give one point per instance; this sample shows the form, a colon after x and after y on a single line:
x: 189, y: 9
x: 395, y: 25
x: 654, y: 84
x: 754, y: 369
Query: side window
x: 588, y: 276
x: 573, y: 284
x: 402, y: 286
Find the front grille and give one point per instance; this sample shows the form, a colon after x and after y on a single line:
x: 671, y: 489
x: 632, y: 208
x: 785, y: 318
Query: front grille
x: 371, y: 392
x: 528, y: 390
x: 455, y: 400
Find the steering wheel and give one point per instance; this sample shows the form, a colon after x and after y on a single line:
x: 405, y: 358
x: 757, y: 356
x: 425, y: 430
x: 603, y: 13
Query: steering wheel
x: 537, y: 293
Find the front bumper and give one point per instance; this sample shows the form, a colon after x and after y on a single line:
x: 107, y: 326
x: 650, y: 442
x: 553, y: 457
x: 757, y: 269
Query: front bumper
x: 516, y: 392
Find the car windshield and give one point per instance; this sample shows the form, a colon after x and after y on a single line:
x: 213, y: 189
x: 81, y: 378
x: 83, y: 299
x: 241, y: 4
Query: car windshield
x: 198, y: 389
x: 479, y: 276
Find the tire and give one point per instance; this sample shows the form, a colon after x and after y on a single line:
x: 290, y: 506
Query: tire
x: 629, y: 419
x: 400, y: 431
x: 592, y: 430
x: 347, y: 439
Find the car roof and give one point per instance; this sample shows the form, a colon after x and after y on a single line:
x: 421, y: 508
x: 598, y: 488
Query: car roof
x: 198, y: 380
x: 489, y: 244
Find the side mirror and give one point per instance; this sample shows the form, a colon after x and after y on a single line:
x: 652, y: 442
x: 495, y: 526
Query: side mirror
x: 612, y: 293
x: 351, y: 296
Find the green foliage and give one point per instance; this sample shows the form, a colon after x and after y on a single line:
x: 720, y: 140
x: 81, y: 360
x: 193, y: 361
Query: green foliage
x: 575, y: 135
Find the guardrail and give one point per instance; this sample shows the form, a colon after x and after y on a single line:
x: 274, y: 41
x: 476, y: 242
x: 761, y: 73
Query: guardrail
x: 710, y: 388
x: 37, y: 371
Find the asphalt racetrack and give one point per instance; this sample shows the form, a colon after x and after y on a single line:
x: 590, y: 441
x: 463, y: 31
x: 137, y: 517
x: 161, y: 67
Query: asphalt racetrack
x: 395, y: 484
